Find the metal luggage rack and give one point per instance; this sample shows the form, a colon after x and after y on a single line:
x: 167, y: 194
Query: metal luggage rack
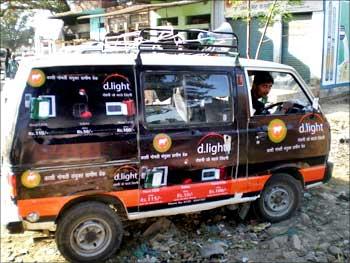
x: 170, y: 40
x: 124, y: 43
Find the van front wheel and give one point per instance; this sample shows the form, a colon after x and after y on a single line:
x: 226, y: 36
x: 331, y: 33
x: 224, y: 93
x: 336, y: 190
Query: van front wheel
x: 89, y: 232
x: 280, y: 198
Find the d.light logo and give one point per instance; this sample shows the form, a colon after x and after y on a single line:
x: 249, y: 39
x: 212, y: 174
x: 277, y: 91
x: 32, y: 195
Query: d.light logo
x: 311, y: 123
x: 277, y: 130
x: 117, y: 83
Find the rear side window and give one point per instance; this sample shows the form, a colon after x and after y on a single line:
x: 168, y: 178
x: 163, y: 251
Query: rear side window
x: 71, y: 115
x: 79, y: 101
x: 186, y: 98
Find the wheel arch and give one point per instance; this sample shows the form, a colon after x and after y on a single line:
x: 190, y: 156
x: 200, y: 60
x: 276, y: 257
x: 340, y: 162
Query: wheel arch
x: 116, y: 204
x: 291, y: 169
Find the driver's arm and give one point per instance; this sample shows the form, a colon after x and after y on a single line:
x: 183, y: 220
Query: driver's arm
x: 286, y: 106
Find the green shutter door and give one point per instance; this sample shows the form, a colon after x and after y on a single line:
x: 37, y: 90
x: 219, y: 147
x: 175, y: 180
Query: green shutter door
x: 296, y: 43
x: 240, y: 28
x: 266, y: 49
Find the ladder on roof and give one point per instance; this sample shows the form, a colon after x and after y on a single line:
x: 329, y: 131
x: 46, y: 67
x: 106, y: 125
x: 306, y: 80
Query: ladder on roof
x: 173, y: 41
x: 170, y: 40
x: 125, y: 43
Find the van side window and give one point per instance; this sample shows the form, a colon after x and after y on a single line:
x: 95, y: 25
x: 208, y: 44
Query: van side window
x: 83, y: 101
x: 277, y: 93
x: 187, y: 98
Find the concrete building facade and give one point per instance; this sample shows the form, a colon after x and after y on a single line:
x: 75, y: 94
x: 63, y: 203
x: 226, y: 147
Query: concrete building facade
x: 313, y: 39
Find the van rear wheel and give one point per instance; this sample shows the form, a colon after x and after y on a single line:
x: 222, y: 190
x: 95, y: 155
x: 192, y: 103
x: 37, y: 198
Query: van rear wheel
x: 89, y: 232
x: 280, y: 198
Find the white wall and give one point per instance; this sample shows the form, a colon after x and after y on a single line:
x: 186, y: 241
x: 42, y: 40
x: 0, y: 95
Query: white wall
x: 317, y: 43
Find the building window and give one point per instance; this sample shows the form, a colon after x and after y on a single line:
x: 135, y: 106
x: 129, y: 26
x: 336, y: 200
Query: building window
x: 199, y: 19
x: 83, y: 21
x: 84, y: 35
x: 194, y: 35
x: 168, y: 21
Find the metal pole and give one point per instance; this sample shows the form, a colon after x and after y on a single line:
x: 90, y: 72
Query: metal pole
x: 248, y: 30
x: 265, y: 28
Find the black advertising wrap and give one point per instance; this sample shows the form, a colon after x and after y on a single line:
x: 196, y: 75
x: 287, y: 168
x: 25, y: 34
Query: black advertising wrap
x: 79, y: 132
x: 76, y: 115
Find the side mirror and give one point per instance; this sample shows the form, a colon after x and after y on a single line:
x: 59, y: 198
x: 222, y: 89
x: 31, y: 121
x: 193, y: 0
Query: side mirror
x: 315, y: 103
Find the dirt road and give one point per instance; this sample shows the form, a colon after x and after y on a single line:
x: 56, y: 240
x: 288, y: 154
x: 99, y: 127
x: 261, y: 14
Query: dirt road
x: 317, y: 233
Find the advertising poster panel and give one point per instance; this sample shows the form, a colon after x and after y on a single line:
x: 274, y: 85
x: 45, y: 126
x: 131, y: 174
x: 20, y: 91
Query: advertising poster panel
x: 336, y: 45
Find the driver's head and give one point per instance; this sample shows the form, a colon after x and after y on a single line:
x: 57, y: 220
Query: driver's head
x: 262, y: 84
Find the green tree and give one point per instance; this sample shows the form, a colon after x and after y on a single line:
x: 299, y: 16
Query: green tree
x: 8, y: 6
x: 14, y: 31
x: 15, y: 14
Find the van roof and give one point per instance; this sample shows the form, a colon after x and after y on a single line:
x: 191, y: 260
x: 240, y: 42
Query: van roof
x: 149, y: 59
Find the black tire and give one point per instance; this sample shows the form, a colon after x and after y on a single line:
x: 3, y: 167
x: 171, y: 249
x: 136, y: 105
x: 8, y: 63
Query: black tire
x: 96, y: 226
x: 280, y: 198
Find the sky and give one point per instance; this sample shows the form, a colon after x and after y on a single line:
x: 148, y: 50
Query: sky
x: 44, y: 27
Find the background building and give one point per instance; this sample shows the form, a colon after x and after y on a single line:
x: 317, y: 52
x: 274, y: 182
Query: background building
x: 314, y: 40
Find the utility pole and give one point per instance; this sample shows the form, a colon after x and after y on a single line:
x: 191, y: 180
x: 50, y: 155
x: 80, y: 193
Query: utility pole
x: 248, y: 30
x: 265, y: 28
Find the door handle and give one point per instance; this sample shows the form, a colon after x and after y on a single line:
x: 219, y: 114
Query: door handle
x: 261, y: 135
x: 196, y: 133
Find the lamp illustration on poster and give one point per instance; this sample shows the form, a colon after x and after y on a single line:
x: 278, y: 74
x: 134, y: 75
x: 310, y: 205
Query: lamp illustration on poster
x: 81, y: 109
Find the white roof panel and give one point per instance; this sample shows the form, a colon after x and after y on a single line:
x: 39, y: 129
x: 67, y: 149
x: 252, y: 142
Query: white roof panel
x: 150, y: 59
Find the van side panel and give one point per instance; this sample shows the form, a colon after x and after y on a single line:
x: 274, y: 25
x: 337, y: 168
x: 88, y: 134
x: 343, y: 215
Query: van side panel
x: 293, y: 142
x: 76, y: 132
x: 50, y: 207
x: 188, y: 135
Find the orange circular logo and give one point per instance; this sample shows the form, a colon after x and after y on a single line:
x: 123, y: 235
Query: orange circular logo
x: 162, y: 143
x: 277, y: 130
x: 36, y: 78
x: 30, y: 179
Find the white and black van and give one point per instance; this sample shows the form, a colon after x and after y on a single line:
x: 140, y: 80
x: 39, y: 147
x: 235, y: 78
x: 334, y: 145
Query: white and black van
x: 166, y: 127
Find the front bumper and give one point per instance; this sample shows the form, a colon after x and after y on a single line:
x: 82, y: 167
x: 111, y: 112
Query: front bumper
x: 327, y: 176
x: 20, y: 226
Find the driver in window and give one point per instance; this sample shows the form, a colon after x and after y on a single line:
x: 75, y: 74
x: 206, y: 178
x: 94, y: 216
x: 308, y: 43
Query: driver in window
x: 262, y: 85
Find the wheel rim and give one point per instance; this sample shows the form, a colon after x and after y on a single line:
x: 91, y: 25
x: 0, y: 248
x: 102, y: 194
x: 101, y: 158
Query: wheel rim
x: 91, y: 237
x: 278, y: 201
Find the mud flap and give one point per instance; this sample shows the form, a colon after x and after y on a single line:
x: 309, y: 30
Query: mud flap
x: 243, y: 210
x: 328, y: 173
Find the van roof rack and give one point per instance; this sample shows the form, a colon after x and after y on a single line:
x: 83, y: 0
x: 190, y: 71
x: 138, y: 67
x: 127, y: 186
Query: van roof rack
x: 169, y: 40
x: 125, y: 43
